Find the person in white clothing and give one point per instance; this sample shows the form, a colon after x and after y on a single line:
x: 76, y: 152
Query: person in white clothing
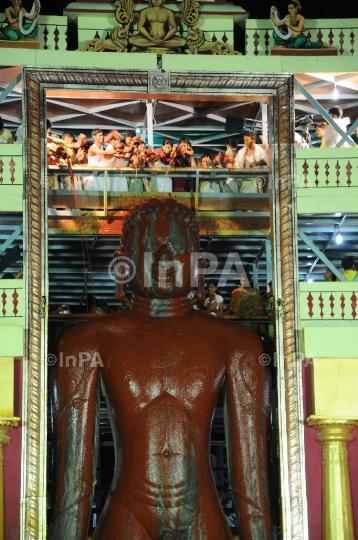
x: 251, y: 155
x: 98, y: 157
x: 214, y: 303
x: 331, y: 136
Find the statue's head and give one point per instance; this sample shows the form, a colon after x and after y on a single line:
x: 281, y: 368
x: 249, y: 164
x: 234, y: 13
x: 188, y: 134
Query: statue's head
x: 157, y: 3
x: 294, y: 7
x: 161, y: 240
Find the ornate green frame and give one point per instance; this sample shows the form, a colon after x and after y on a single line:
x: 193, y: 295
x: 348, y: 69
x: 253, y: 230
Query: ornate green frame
x: 279, y: 88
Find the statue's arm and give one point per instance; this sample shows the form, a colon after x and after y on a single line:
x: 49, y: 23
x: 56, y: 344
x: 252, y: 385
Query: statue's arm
x: 301, y: 24
x: 173, y: 26
x: 141, y: 23
x: 74, y: 408
x: 32, y: 17
x: 245, y: 413
x: 10, y: 18
x: 273, y: 18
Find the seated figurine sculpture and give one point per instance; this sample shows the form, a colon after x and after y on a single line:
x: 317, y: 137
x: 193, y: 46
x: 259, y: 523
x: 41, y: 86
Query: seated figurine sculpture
x: 289, y: 32
x: 161, y: 366
x: 16, y: 29
x: 157, y: 29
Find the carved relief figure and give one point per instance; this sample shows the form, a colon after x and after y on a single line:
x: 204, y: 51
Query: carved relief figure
x: 157, y: 31
x: 157, y: 28
x: 161, y: 366
x: 16, y: 29
x: 289, y: 32
x: 118, y: 41
x: 197, y: 43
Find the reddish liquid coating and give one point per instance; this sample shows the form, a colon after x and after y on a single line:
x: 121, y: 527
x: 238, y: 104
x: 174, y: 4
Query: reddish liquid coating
x: 162, y: 366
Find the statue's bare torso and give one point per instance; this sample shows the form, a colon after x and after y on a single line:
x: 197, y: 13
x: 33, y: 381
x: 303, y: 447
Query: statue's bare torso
x: 157, y: 20
x: 162, y: 366
x: 163, y: 386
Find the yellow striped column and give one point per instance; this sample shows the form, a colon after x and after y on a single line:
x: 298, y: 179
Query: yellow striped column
x: 334, y: 435
x: 335, y: 415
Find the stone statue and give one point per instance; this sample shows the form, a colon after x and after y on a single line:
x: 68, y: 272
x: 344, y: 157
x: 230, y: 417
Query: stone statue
x: 157, y: 29
x: 289, y: 32
x: 16, y: 29
x: 161, y: 366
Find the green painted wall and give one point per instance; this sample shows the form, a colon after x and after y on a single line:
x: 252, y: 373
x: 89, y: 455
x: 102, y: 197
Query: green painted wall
x: 260, y: 64
x: 326, y: 342
x: 13, y: 57
x: 11, y: 341
x: 327, y: 201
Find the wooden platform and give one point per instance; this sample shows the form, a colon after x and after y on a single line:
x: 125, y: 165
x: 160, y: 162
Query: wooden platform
x: 8, y: 44
x: 331, y: 51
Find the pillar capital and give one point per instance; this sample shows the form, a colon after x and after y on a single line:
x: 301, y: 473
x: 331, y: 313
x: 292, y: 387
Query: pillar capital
x: 333, y: 429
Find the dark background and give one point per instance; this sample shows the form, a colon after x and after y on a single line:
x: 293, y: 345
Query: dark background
x: 258, y: 9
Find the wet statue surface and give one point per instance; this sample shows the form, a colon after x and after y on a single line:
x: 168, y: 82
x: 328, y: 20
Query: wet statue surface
x: 163, y: 366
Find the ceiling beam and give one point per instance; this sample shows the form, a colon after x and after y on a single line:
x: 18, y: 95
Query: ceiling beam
x: 62, y: 117
x: 341, y: 80
x: 215, y: 137
x: 175, y: 120
x: 15, y: 89
x: 66, y: 105
x: 11, y: 118
x: 114, y: 106
x: 117, y: 120
x: 299, y: 97
x: 304, y: 108
x: 10, y: 87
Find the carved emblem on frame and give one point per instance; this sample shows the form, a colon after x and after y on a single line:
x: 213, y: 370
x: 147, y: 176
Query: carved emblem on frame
x: 158, y: 82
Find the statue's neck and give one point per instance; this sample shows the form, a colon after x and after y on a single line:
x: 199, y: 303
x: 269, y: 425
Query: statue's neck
x: 161, y: 307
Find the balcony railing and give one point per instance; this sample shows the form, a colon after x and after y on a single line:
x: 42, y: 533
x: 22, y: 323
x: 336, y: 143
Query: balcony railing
x: 327, y: 167
x: 331, y: 301
x: 11, y: 177
x: 339, y: 33
x: 11, y: 302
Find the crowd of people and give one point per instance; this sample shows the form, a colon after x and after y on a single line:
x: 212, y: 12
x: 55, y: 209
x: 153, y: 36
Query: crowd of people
x: 115, y: 151
x: 326, y: 133
x: 246, y: 302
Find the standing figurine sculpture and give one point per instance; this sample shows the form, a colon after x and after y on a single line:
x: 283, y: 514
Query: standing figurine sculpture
x: 161, y: 366
x: 289, y: 32
x: 17, y: 29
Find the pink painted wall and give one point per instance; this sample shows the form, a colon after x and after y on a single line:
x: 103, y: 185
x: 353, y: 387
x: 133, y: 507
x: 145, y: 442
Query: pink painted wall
x: 314, y: 466
x: 12, y: 462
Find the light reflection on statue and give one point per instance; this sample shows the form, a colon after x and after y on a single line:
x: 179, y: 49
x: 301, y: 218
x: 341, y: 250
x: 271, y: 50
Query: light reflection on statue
x: 157, y: 28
